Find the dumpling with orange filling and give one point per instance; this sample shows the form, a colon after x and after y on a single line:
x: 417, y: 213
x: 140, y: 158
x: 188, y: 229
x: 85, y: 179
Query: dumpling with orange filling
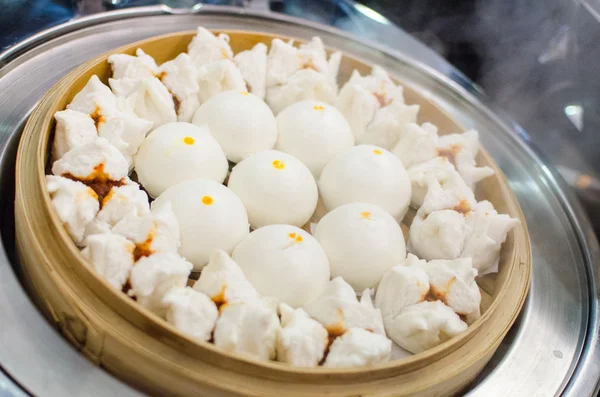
x: 358, y: 348
x: 296, y: 74
x: 206, y: 47
x: 154, y: 276
x: 217, y: 77
x: 361, y: 98
x: 338, y: 309
x: 120, y: 201
x: 191, y: 312
x: 303, y: 341
x: 155, y: 232
x: 224, y: 282
x: 75, y: 204
x: 253, y: 67
x: 111, y: 256
x: 249, y: 328
x: 121, y: 128
x: 180, y: 76
x: 440, y: 170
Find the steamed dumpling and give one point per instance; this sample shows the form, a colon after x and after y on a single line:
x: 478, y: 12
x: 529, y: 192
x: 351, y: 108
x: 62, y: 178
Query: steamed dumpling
x: 461, y: 150
x: 217, y: 77
x: 302, y: 85
x: 296, y: 74
x: 417, y: 144
x: 121, y: 201
x: 154, y: 276
x: 122, y: 129
x: 128, y: 70
x: 180, y: 76
x: 135, y: 82
x: 421, y: 301
x: 303, y: 341
x: 73, y: 129
x: 362, y: 96
x: 423, y: 326
x: 157, y: 231
x: 205, y: 47
x: 151, y: 100
x: 253, y: 67
x: 75, y: 204
x: 111, y: 256
x: 389, y: 124
x: 338, y: 309
x: 358, y: 348
x: 488, y: 231
x: 224, y: 281
x: 191, y: 312
x: 250, y: 328
x: 438, y: 231
x: 440, y: 171
x: 449, y: 227
x: 453, y: 282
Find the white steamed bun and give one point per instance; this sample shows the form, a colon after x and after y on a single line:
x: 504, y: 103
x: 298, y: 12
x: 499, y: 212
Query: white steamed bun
x: 314, y: 132
x: 276, y: 188
x: 240, y: 122
x: 177, y: 152
x: 367, y: 174
x: 210, y: 217
x: 362, y: 242
x: 284, y: 262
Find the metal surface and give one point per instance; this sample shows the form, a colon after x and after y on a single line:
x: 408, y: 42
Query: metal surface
x: 557, y: 334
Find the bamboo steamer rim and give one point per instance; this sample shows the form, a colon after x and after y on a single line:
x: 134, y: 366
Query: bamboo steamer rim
x: 102, y: 289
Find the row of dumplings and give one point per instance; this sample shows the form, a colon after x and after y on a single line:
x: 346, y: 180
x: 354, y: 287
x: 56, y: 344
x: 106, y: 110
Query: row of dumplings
x: 366, y: 189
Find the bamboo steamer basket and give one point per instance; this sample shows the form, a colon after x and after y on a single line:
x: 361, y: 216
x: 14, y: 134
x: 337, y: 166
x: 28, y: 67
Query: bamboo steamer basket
x: 142, y: 349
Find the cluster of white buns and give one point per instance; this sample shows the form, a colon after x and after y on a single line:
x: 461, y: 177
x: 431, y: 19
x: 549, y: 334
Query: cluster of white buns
x: 307, y: 219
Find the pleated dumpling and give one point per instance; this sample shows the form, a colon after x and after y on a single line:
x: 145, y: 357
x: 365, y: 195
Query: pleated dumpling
x: 154, y: 276
x: 111, y: 256
x: 249, y: 328
x: 217, y: 77
x: 438, y: 170
x: 295, y: 74
x: 205, y: 47
x: 358, y: 348
x: 338, y: 309
x: 361, y: 98
x: 180, y: 76
x: 389, y: 124
x: 128, y: 70
x: 124, y: 130
x: 253, y: 67
x: 73, y: 129
x: 439, y: 229
x: 417, y: 144
x: 424, y: 325
x: 191, y: 312
x: 488, y: 231
x: 461, y: 150
x: 303, y: 341
x: 75, y: 204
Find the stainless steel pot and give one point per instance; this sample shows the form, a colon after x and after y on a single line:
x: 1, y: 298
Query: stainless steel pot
x: 552, y: 350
